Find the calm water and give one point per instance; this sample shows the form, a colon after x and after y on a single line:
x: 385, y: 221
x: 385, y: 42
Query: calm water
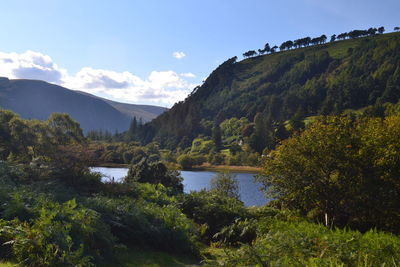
x: 197, y: 180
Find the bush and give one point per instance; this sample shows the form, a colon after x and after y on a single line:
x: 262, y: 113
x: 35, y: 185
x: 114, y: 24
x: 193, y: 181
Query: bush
x: 240, y: 231
x: 225, y: 184
x: 186, y: 161
x: 212, y: 210
x: 282, y: 243
x: 154, y: 173
x: 61, y: 235
x: 143, y: 223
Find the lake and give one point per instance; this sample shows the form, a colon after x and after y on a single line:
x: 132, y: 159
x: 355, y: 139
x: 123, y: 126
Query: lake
x: 249, y: 191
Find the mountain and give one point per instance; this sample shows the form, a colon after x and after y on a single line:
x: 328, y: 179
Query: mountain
x: 321, y: 79
x: 145, y: 112
x: 33, y: 99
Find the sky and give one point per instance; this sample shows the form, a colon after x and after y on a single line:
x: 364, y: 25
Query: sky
x: 156, y: 51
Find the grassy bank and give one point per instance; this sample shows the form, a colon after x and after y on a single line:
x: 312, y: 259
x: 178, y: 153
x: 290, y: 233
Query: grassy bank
x: 209, y: 167
x: 203, y: 167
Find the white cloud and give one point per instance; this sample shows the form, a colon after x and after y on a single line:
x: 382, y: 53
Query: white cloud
x: 179, y: 55
x: 188, y: 75
x: 30, y: 65
x: 159, y: 88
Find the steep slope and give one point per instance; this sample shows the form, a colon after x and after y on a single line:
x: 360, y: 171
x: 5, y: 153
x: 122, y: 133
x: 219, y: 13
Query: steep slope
x: 34, y: 99
x: 322, y: 79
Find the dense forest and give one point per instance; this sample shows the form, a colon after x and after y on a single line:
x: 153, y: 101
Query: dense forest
x: 284, y: 87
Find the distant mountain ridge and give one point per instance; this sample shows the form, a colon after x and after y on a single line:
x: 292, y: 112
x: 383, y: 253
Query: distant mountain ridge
x: 34, y: 99
x: 146, y: 112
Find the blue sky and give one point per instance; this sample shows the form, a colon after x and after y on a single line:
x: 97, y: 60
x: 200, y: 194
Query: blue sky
x: 123, y: 50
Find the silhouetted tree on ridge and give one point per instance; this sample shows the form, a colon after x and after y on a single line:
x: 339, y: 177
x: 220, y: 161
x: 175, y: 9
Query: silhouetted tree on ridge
x: 307, y: 41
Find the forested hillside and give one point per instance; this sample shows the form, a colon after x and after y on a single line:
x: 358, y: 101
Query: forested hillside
x: 286, y: 87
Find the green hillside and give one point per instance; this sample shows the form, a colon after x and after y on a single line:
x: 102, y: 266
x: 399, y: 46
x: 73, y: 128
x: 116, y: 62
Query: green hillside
x: 291, y: 85
x: 34, y: 99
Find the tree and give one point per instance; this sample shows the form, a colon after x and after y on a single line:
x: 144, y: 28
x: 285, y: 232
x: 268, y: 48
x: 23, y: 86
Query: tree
x: 249, y: 53
x: 372, y: 31
x: 323, y: 38
x: 6, y: 141
x: 154, y: 173
x: 258, y: 140
x: 216, y: 136
x: 396, y: 29
x: 338, y: 171
x: 267, y: 48
x: 381, y: 30
x: 132, y: 131
x: 333, y: 38
x: 225, y: 184
x: 186, y: 161
x: 65, y: 129
x: 286, y: 45
x: 342, y: 36
x: 232, y: 128
x: 296, y: 122
x: 23, y: 137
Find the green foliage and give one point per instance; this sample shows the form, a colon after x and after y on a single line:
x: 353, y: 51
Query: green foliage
x: 216, y: 136
x: 140, y: 222
x: 240, y: 231
x: 340, y: 172
x: 233, y: 127
x: 59, y: 235
x: 280, y: 243
x: 49, y: 232
x: 154, y: 173
x: 186, y: 161
x: 200, y: 145
x: 225, y: 184
x: 141, y: 257
x: 324, y: 79
x: 212, y: 210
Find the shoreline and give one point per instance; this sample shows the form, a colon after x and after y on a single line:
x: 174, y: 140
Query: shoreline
x: 204, y: 167
x: 229, y: 168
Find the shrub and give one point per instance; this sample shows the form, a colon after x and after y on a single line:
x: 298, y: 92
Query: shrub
x: 225, y: 184
x: 154, y: 173
x: 186, y: 161
x: 280, y: 243
x: 143, y: 223
x: 240, y: 231
x: 62, y: 234
x: 212, y: 210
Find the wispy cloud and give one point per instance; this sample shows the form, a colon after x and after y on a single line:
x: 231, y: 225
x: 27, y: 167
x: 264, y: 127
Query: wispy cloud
x: 179, y: 55
x: 188, y: 75
x: 159, y: 88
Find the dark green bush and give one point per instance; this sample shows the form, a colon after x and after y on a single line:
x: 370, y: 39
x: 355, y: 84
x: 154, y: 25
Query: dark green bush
x: 139, y: 222
x: 186, y: 161
x: 212, y: 210
x: 240, y: 231
x: 154, y: 173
